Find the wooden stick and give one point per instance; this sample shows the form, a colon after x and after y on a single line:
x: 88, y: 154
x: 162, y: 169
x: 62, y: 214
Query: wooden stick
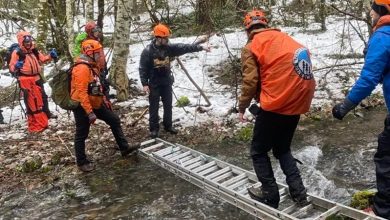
x: 193, y: 82
x: 63, y: 142
x: 139, y: 117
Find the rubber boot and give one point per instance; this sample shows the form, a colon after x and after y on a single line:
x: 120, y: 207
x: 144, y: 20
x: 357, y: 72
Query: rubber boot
x: 293, y: 178
x: 269, y: 192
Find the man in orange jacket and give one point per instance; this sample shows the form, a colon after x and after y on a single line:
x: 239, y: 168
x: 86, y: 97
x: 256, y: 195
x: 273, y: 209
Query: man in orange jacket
x: 26, y: 62
x: 87, y: 89
x: 278, y: 68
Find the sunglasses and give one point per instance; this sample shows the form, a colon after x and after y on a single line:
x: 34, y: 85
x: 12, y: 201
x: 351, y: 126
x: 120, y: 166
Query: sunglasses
x: 27, y: 39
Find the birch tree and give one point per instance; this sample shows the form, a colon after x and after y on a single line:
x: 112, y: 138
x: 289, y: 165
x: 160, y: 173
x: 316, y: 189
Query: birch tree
x: 88, y: 10
x: 69, y: 24
x: 118, y: 76
x: 42, y: 27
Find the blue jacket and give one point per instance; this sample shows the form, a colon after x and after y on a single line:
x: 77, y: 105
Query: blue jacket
x: 376, y: 67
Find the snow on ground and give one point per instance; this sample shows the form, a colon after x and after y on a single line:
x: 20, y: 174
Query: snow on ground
x: 222, y: 99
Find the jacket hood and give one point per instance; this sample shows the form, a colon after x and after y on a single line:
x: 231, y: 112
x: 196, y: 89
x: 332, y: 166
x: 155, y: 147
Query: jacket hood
x: 20, y: 36
x: 384, y: 20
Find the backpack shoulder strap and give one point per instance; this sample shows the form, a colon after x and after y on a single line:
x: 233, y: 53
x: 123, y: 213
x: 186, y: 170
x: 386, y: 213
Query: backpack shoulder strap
x: 36, y: 53
x: 20, y: 53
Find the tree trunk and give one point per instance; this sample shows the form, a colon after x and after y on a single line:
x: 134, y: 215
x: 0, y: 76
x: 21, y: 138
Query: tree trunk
x: 69, y: 10
x: 322, y: 14
x: 118, y: 76
x: 89, y: 10
x: 203, y: 11
x: 101, y: 13
x: 42, y: 26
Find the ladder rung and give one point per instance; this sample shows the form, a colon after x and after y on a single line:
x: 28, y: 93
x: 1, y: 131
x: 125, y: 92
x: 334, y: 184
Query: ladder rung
x: 284, y: 197
x: 180, y: 156
x: 185, y: 159
x: 168, y: 152
x: 290, y: 208
x: 234, y: 179
x: 283, y: 190
x: 147, y: 142
x: 243, y: 191
x: 223, y: 176
x: 328, y: 213
x: 194, y: 165
x: 209, y: 170
x: 205, y: 166
x: 153, y: 147
x: 301, y: 210
x: 163, y: 150
x: 238, y: 184
x: 178, y: 152
x: 219, y: 172
x: 193, y: 160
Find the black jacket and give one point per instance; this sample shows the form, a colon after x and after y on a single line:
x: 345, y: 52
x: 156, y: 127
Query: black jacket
x: 155, y: 64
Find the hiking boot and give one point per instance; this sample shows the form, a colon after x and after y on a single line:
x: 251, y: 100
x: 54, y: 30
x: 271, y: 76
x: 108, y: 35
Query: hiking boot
x: 259, y: 195
x: 301, y: 200
x: 88, y: 167
x: 153, y: 134
x: 51, y: 116
x: 131, y: 150
x: 171, y: 130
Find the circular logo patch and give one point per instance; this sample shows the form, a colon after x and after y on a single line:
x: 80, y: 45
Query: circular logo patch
x: 302, y: 63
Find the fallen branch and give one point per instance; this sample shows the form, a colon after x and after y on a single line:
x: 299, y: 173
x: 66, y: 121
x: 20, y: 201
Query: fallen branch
x: 338, y: 65
x: 193, y: 82
x: 66, y: 146
x: 139, y: 117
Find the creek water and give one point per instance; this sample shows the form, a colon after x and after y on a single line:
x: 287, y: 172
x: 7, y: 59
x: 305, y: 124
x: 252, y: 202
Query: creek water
x: 337, y: 160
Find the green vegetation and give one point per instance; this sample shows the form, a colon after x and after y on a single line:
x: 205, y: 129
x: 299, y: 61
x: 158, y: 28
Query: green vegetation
x: 30, y: 165
x: 245, y: 133
x: 362, y: 199
x: 182, y: 101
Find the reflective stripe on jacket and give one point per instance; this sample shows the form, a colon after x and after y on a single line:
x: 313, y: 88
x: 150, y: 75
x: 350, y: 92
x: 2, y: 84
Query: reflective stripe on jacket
x: 287, y: 83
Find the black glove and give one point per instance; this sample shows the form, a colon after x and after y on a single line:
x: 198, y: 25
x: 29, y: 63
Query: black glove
x: 341, y: 109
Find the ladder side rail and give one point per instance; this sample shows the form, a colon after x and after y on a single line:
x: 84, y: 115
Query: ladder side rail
x: 261, y: 208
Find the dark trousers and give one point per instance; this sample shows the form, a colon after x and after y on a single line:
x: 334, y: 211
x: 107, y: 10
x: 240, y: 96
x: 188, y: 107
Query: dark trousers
x: 275, y: 131
x: 165, y: 92
x: 82, y: 130
x: 45, y: 107
x: 382, y: 163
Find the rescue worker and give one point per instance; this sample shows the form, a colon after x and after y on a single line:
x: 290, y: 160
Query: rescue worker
x: 86, y: 88
x: 94, y: 32
x: 376, y: 69
x: 30, y: 66
x: 277, y: 70
x: 156, y: 76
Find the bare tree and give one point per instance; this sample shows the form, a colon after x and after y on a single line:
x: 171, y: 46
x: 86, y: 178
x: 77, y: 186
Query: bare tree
x: 118, y: 76
x: 89, y: 10
x: 69, y: 24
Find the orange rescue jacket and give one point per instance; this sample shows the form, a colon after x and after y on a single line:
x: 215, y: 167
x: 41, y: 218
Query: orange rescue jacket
x: 287, y: 82
x: 82, y: 76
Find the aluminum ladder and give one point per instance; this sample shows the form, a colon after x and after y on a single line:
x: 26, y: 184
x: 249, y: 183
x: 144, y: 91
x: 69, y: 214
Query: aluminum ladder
x: 230, y: 183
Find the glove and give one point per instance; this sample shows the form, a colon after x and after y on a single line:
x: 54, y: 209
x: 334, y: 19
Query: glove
x: 91, y: 118
x: 53, y: 54
x: 341, y: 109
x: 19, y: 64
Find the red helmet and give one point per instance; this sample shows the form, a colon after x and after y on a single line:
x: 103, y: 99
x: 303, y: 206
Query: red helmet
x: 255, y: 17
x: 161, y: 30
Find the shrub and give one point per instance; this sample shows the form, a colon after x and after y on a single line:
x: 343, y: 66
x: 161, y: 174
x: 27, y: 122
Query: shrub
x: 182, y: 101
